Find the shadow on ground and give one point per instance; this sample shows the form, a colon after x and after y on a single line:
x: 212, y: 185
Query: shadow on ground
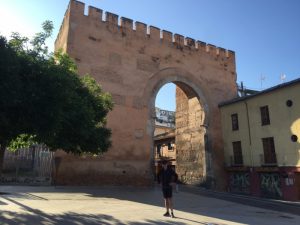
x: 3, y: 203
x: 150, y: 196
x: 68, y: 219
x: 35, y: 216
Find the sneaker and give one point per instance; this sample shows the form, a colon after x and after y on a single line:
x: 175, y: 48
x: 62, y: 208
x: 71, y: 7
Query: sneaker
x: 172, y: 215
x: 167, y: 214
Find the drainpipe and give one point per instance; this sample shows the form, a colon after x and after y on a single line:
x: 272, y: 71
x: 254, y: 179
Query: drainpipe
x: 249, y: 133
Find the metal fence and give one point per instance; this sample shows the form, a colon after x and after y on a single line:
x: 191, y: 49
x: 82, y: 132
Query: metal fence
x: 28, y: 165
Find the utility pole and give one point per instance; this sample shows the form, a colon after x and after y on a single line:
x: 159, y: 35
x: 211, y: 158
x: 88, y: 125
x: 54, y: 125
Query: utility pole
x: 262, y: 78
x: 282, y: 77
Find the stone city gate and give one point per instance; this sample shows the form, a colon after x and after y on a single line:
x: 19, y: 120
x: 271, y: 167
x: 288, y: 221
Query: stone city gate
x: 133, y: 61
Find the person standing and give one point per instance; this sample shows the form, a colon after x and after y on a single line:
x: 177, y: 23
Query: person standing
x: 167, y: 179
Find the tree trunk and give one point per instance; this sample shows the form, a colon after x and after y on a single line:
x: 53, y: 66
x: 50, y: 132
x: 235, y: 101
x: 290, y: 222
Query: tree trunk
x: 2, y: 151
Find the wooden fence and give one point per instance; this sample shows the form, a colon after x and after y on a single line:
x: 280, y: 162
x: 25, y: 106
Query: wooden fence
x: 28, y: 165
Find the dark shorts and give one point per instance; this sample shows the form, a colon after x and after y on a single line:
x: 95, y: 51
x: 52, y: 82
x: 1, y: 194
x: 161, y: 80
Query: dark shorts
x: 167, y: 192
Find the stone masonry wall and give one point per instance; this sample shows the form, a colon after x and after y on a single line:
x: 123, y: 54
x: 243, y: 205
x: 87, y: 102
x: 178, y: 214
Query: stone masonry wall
x: 133, y: 61
x: 190, y: 133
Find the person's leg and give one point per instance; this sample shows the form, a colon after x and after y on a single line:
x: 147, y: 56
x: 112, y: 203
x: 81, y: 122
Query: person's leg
x: 166, y: 202
x: 170, y: 203
x: 167, y: 205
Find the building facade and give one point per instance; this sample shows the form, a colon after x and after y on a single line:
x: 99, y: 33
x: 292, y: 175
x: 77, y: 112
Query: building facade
x: 164, y: 148
x: 164, y: 118
x: 164, y: 139
x: 164, y: 136
x: 261, y: 134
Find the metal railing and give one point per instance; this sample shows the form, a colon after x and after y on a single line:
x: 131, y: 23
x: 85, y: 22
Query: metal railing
x: 234, y: 162
x: 268, y: 160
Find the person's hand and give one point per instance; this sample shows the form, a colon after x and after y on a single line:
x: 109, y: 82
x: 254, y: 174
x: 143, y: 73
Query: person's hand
x: 173, y: 184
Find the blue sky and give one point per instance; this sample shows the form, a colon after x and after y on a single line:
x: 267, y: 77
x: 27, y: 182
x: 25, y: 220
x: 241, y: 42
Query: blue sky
x: 265, y: 34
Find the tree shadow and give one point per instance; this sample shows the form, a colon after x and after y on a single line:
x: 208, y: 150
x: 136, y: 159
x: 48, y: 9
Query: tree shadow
x: 220, y: 210
x: 35, y: 216
x: 194, y: 221
x: 68, y: 218
x: 3, y: 203
x: 184, y: 202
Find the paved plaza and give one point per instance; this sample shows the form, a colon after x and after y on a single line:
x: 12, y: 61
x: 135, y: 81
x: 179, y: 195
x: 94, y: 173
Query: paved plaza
x: 125, y: 205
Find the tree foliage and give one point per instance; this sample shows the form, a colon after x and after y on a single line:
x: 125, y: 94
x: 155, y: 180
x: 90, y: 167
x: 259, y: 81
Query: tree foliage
x: 44, y: 100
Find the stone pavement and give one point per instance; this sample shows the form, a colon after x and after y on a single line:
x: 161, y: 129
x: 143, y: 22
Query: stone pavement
x: 272, y: 204
x: 124, y: 205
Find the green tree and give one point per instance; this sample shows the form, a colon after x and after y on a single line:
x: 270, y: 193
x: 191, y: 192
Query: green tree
x: 44, y: 100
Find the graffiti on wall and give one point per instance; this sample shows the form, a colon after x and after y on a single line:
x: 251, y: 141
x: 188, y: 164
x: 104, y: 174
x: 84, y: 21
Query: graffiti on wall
x: 270, y: 185
x: 240, y: 183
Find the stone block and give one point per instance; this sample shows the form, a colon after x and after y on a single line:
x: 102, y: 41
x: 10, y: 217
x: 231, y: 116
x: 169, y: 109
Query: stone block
x: 147, y: 65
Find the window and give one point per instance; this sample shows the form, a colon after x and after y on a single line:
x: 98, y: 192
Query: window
x: 264, y: 112
x: 269, y: 151
x: 235, y: 121
x: 158, y: 150
x: 237, y: 153
x: 171, y: 146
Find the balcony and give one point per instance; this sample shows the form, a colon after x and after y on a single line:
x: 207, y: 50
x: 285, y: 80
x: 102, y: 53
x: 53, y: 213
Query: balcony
x: 236, y: 161
x: 268, y: 159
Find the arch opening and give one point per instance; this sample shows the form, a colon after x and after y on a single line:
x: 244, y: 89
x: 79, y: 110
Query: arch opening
x: 185, y: 142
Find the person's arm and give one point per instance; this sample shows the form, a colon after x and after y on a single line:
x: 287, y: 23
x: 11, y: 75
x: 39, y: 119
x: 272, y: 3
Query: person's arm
x: 159, y: 178
x: 173, y: 178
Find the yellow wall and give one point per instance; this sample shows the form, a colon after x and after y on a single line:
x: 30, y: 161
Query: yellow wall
x: 284, y: 121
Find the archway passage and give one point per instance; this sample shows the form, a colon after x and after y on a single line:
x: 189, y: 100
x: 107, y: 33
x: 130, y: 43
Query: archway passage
x: 189, y: 136
x: 183, y: 141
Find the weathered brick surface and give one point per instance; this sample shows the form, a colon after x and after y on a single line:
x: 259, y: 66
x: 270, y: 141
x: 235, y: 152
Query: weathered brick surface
x: 191, y: 165
x: 133, y: 65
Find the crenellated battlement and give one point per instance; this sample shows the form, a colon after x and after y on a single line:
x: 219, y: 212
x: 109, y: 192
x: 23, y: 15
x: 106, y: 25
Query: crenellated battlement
x: 126, y: 26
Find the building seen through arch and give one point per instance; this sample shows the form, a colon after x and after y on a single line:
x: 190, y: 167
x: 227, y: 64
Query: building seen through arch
x: 182, y: 142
